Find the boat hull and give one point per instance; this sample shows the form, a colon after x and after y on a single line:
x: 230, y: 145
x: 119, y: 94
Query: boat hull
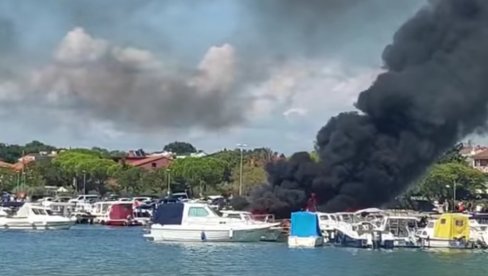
x: 442, y: 243
x: 272, y: 235
x: 26, y: 225
x: 123, y: 223
x: 205, y: 234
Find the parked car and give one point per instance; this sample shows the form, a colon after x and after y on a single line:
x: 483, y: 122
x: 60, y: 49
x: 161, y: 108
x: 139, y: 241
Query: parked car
x: 83, y: 198
x: 181, y: 196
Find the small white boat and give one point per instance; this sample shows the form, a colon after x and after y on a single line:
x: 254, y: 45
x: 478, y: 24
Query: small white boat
x: 273, y: 234
x: 362, y: 229
x: 305, y: 230
x: 33, y: 217
x: 192, y: 222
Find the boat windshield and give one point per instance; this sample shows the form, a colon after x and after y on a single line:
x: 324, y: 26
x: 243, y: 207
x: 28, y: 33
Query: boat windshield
x: 40, y: 212
x: 215, y: 212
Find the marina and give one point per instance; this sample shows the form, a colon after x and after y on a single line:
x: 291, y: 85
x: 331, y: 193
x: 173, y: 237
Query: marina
x: 194, y: 220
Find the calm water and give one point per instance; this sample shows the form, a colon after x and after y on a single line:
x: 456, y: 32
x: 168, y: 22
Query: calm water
x: 97, y: 250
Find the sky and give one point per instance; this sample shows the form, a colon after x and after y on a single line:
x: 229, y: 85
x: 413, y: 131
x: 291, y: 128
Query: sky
x: 125, y: 74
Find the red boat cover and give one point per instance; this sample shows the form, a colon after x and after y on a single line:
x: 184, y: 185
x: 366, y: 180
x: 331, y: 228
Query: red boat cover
x: 121, y: 211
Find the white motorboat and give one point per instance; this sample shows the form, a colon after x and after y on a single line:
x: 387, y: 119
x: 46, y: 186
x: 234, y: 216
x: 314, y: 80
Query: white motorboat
x: 101, y: 211
x: 273, y: 234
x: 403, y: 229
x: 33, y: 217
x: 198, y: 222
x: 362, y: 229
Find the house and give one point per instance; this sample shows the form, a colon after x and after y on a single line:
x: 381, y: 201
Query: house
x: 469, y: 151
x: 32, y: 157
x: 150, y: 162
x: 139, y: 158
x: 480, y: 161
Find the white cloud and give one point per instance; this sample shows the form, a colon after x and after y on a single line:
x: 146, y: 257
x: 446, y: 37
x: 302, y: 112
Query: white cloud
x: 78, y: 46
x: 295, y: 112
x: 217, y: 69
x: 305, y: 87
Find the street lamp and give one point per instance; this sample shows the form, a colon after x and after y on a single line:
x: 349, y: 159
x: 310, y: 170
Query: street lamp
x: 453, y: 193
x: 169, y: 182
x: 241, y: 146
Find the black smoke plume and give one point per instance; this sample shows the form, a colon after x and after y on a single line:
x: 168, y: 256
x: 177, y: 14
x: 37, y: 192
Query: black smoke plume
x: 433, y: 93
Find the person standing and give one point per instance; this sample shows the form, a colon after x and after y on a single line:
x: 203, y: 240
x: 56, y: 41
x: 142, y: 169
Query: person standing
x: 312, y: 203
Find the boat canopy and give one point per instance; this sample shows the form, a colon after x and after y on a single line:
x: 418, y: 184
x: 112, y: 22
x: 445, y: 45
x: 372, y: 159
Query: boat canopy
x: 170, y: 213
x: 305, y: 224
x: 120, y: 211
x: 11, y: 204
x: 452, y: 226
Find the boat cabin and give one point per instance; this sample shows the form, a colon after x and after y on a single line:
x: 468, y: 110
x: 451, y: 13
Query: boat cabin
x: 401, y: 226
x: 186, y: 213
x: 345, y: 217
x: 247, y: 216
x: 327, y: 221
x: 452, y: 226
x: 28, y: 210
x: 447, y: 227
x: 241, y: 215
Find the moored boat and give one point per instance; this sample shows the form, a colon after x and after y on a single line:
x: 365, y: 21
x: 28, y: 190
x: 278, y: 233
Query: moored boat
x: 274, y: 234
x: 121, y: 214
x: 450, y: 231
x: 197, y: 222
x: 305, y: 230
x: 32, y: 217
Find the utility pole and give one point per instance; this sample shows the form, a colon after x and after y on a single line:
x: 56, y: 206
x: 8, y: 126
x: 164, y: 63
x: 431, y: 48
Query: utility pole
x: 84, y: 182
x: 454, y: 193
x: 241, y: 146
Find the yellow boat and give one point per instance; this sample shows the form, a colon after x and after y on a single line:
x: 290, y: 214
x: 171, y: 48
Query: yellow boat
x: 448, y: 231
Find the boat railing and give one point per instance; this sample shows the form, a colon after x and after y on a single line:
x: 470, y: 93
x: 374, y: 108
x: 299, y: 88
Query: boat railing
x: 270, y: 218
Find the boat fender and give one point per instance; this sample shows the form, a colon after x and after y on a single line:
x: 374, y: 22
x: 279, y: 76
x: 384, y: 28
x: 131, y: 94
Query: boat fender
x: 231, y: 233
x: 203, y: 237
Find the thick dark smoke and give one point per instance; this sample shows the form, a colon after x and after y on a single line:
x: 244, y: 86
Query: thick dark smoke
x: 434, y: 92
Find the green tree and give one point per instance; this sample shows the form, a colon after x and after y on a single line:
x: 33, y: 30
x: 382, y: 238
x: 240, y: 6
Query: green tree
x: 11, y: 153
x: 180, y: 148
x: 252, y: 176
x: 8, y: 179
x: 315, y: 156
x: 439, y: 181
x: 87, y: 165
x: 199, y: 172
x: 52, y: 173
x: 154, y: 182
x: 129, y: 179
x: 453, y: 155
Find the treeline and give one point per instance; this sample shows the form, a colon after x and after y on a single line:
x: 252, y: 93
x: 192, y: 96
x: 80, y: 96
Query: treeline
x: 11, y: 153
x: 452, y: 175
x: 99, y: 170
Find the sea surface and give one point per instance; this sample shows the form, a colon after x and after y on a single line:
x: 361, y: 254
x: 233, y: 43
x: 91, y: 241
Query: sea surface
x: 100, y: 250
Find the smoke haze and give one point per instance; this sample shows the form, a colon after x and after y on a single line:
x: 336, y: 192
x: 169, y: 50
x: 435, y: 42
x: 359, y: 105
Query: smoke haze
x: 125, y: 63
